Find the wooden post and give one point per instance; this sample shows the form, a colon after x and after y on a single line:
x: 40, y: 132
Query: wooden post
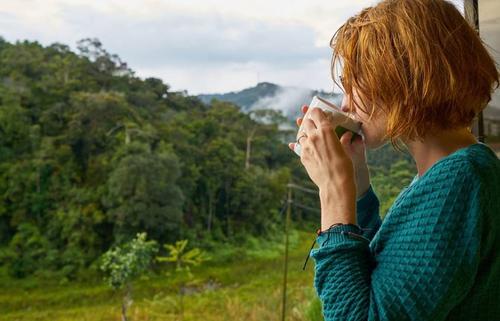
x: 287, y: 223
x: 471, y: 14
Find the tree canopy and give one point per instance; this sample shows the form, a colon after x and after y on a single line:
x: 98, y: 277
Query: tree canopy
x: 91, y: 155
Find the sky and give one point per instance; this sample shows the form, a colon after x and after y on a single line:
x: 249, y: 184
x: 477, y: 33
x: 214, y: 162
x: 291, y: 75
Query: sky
x: 202, y: 46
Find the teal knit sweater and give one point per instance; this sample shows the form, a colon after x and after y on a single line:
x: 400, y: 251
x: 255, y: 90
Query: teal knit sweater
x: 435, y: 256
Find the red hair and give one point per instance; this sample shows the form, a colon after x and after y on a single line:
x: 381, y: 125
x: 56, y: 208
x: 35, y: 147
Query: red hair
x: 417, y: 61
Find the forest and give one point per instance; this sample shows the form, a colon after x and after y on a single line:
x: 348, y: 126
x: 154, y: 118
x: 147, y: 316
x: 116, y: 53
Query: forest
x: 90, y: 155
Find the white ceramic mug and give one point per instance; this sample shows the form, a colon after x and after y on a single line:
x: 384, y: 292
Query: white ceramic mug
x: 343, y: 120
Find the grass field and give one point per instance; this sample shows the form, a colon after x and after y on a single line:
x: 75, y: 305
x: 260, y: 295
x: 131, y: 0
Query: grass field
x: 247, y: 287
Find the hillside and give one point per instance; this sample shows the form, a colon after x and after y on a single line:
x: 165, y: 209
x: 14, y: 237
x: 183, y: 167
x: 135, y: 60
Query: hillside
x: 91, y: 155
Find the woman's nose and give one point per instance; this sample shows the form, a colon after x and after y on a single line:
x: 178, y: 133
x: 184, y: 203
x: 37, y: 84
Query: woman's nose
x: 344, y: 105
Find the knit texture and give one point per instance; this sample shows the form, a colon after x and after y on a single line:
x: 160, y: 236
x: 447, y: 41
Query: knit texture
x: 433, y: 257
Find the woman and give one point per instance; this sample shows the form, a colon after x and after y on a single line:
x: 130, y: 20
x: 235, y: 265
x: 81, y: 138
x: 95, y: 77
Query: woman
x: 414, y: 72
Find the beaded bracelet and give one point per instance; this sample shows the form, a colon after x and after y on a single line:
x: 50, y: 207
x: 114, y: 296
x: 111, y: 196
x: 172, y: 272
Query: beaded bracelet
x: 319, y: 232
x: 328, y: 230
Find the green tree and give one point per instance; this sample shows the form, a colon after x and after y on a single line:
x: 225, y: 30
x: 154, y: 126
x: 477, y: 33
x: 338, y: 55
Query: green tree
x: 122, y: 264
x: 143, y: 194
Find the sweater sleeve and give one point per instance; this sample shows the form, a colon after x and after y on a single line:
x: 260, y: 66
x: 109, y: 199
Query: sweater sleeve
x: 426, y: 267
x: 367, y: 213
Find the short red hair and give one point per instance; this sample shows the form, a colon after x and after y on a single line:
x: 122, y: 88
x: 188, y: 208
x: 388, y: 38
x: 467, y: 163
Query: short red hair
x: 419, y: 62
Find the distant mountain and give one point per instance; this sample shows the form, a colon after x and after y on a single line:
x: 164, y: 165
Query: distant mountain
x: 244, y: 98
x: 271, y: 96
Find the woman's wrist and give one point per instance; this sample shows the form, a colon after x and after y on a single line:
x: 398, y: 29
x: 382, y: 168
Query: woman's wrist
x: 337, y: 206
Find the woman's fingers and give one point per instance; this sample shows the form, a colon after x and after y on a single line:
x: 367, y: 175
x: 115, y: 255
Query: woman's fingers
x: 309, y: 126
x: 345, y: 140
x: 299, y: 120
x: 304, y: 109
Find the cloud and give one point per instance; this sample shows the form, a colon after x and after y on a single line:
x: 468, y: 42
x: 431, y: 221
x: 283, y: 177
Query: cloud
x: 178, y: 38
x: 207, y: 78
x: 287, y: 99
x: 201, y: 46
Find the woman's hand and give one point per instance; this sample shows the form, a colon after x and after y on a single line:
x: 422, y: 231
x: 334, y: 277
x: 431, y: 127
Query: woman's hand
x: 357, y: 151
x: 330, y: 167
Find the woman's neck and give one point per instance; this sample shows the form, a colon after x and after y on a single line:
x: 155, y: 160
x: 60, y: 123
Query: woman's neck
x: 434, y: 147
